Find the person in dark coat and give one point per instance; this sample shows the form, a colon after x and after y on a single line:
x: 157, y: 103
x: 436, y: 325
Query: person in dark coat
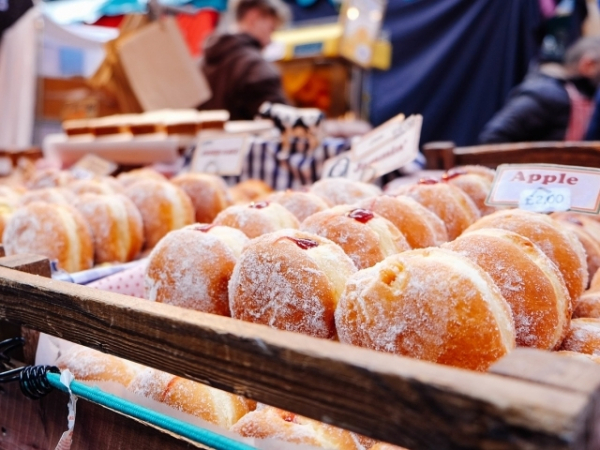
x: 239, y: 77
x: 552, y: 104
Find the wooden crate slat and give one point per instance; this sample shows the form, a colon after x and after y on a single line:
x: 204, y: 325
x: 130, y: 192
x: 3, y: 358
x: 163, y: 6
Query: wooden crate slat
x: 399, y: 400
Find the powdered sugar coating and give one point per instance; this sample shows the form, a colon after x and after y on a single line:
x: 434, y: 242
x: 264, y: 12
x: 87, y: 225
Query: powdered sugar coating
x: 430, y: 304
x: 300, y: 204
x: 588, y: 305
x: 100, y: 185
x: 341, y: 191
x: 477, y: 188
x: 57, y: 196
x: 208, y: 193
x: 276, y: 283
x: 254, y: 222
x: 583, y: 336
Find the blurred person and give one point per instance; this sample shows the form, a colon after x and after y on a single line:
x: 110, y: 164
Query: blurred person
x: 239, y: 77
x: 553, y: 104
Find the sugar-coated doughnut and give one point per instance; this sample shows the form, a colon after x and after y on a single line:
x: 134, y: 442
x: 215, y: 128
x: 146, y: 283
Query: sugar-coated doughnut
x: 341, y: 191
x: 448, y: 202
x: 247, y: 191
x: 133, y: 176
x: 7, y: 208
x: 116, y: 226
x: 477, y: 187
x: 164, y: 207
x: 58, y: 232
x: 290, y: 280
x: 595, y: 283
x: 58, y: 196
x: 300, y: 204
x: 558, y: 243
x: 268, y: 422
x: 431, y: 304
x: 420, y: 227
x: 210, y: 404
x: 208, y: 193
x: 101, y: 185
x: 366, y: 237
x: 585, y: 357
x: 588, y: 305
x: 191, y: 267
x: 583, y: 336
x: 529, y: 281
x: 384, y: 446
x: 50, y: 178
x: 91, y: 365
x: 482, y: 171
x: 257, y: 218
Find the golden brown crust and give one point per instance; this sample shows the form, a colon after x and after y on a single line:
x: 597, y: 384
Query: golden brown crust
x: 366, y: 243
x: 279, y: 284
x: 583, y: 336
x: 558, y: 243
x: 249, y: 191
x: 341, y: 191
x: 595, y: 283
x: 588, y: 305
x: 448, y: 202
x: 420, y: 227
x: 590, y: 245
x: 529, y: 281
x: 208, y: 194
x: 477, y: 188
x: 257, y: 219
x: 300, y: 204
x: 430, y: 304
x: 128, y: 178
x: 384, y: 446
x: 58, y: 196
x: 104, y: 185
x: 482, y: 171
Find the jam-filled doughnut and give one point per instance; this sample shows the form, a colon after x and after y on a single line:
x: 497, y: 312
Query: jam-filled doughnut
x: 210, y: 404
x: 300, y: 204
x: 101, y: 185
x: 268, y: 422
x: 58, y: 232
x: 529, y: 281
x: 477, y: 187
x: 583, y: 336
x: 126, y: 179
x: 208, y: 193
x: 164, y: 207
x: 290, y: 280
x: 365, y: 236
x: 191, y: 267
x: 558, y: 243
x: 116, y: 226
x: 247, y: 191
x: 420, y: 227
x: 58, y: 196
x: 257, y: 218
x: 341, y: 191
x: 448, y: 202
x: 431, y: 304
x: 472, y: 169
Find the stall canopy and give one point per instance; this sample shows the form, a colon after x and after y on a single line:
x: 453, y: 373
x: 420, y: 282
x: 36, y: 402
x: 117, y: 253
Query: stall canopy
x: 454, y: 62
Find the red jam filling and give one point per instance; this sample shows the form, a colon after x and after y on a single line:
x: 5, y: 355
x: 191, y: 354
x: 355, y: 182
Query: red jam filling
x: 574, y: 220
x: 361, y: 215
x: 453, y: 173
x: 259, y: 205
x: 428, y: 181
x: 304, y: 244
x: 204, y: 228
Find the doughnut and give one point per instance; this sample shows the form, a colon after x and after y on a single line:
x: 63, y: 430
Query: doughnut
x: 431, y: 304
x: 116, y: 226
x: 6, y: 211
x: 529, y: 281
x: 477, y: 187
x: 300, y: 204
x: 249, y: 191
x: 91, y: 365
x: 102, y: 185
x: 583, y: 336
x: 133, y: 176
x: 482, y: 171
x: 366, y: 237
x: 58, y: 232
x: 341, y: 191
x: 588, y: 305
x: 164, y: 207
x: 448, y: 202
x: 208, y: 193
x: 50, y: 178
x: 384, y: 446
x: 579, y: 356
x: 11, y: 195
x: 210, y: 404
x: 58, y: 196
x: 420, y: 227
x: 290, y: 280
x: 595, y: 283
x: 558, y: 243
x: 268, y: 422
x: 191, y: 267
x: 586, y: 235
x: 257, y: 219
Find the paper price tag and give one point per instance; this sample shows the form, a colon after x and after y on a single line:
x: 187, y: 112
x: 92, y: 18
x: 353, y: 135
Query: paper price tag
x: 543, y: 199
x: 91, y: 165
x: 342, y: 166
x: 220, y: 153
x: 546, y: 187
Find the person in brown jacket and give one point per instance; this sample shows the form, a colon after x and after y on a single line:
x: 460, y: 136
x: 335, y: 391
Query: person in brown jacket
x: 239, y: 77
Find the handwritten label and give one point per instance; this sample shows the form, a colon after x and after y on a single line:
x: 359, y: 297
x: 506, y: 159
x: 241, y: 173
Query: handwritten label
x: 91, y: 165
x: 220, y: 153
x: 546, y: 187
x: 342, y: 166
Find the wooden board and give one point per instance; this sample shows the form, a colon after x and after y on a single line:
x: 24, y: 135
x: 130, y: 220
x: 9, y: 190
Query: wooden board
x: 399, y: 400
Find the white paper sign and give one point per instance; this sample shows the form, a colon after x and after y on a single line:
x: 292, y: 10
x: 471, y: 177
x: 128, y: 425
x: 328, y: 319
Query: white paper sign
x: 220, y: 153
x: 91, y: 165
x: 545, y: 186
x: 342, y: 166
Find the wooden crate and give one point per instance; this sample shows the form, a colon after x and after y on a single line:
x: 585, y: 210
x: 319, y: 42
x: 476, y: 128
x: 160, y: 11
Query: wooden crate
x: 530, y: 399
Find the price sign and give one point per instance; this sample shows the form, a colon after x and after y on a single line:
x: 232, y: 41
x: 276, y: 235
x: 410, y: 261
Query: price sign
x: 546, y: 188
x: 220, y: 153
x: 342, y: 166
x: 91, y: 165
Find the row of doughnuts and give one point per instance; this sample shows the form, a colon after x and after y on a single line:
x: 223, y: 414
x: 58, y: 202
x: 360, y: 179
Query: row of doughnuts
x: 231, y: 412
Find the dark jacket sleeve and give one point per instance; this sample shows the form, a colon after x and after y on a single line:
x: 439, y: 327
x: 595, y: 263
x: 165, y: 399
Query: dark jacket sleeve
x: 593, y: 131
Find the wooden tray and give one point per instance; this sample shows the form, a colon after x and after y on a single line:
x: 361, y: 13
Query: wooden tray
x: 530, y: 399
